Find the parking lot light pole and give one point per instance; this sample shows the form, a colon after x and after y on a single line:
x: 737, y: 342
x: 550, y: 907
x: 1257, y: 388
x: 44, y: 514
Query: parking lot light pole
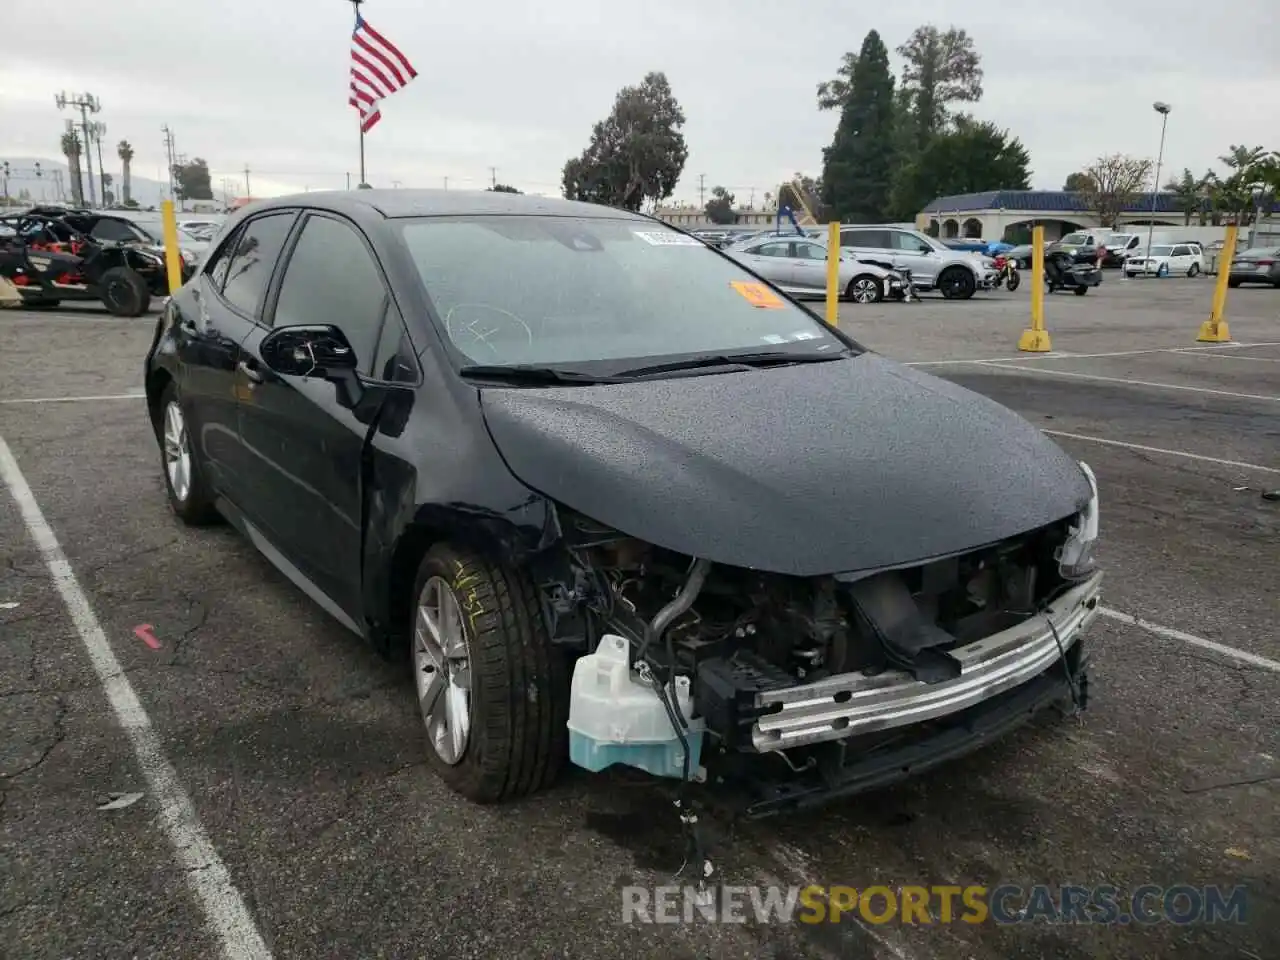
x: 1163, y: 109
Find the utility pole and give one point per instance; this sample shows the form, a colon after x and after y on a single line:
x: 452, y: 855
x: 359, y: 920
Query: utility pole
x: 248, y: 194
x: 86, y: 103
x: 395, y: 184
x: 168, y: 153
x: 5, y: 168
x: 99, y: 130
x: 702, y: 190
x: 446, y: 183
x: 493, y: 177
x: 348, y: 181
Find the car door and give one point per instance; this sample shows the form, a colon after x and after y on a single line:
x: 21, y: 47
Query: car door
x: 772, y: 260
x: 304, y: 447
x: 809, y: 266
x: 914, y: 254
x: 1180, y: 262
x: 225, y: 301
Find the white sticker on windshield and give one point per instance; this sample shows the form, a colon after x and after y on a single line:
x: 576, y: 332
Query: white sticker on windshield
x: 804, y: 335
x: 773, y: 338
x: 667, y: 238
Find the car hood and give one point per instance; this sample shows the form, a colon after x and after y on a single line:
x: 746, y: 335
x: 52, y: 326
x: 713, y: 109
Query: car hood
x: 853, y: 465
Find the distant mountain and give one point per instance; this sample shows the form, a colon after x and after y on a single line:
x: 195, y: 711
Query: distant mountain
x: 22, y: 176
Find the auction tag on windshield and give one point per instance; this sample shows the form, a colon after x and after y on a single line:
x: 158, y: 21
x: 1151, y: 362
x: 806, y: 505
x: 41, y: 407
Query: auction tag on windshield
x: 758, y: 295
x: 668, y: 238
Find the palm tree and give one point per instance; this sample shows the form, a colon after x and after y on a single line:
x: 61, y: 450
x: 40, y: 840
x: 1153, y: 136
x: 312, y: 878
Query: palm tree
x: 71, y: 150
x: 1189, y: 193
x: 124, y: 150
x: 1237, y: 190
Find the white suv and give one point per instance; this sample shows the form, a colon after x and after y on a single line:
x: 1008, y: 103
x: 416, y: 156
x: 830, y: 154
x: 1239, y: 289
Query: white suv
x: 955, y: 273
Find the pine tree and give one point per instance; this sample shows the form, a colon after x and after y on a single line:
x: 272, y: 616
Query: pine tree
x: 858, y: 166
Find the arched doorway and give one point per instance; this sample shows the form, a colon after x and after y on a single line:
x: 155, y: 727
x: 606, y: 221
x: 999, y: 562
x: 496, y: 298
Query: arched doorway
x: 973, y: 229
x: 950, y: 229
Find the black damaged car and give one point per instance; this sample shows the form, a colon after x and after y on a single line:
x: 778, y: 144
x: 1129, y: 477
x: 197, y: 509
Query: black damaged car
x: 619, y: 499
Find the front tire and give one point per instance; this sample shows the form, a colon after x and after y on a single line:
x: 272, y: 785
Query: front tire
x: 1013, y: 282
x: 1081, y: 291
x: 865, y: 288
x: 124, y: 292
x: 492, y: 689
x: 190, y: 497
x: 1232, y: 283
x: 957, y: 283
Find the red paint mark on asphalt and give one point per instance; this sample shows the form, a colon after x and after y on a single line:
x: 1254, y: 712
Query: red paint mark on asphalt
x: 144, y: 634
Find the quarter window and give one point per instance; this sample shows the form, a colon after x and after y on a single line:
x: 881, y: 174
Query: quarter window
x: 253, y: 256
x: 331, y: 277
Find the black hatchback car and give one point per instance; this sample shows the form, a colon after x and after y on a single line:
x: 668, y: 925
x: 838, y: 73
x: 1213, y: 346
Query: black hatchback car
x: 509, y: 433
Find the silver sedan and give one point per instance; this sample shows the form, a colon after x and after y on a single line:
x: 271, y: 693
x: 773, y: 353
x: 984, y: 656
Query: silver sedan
x: 798, y: 266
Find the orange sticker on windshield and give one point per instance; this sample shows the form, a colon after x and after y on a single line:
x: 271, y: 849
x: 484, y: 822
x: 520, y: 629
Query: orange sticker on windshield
x: 757, y: 294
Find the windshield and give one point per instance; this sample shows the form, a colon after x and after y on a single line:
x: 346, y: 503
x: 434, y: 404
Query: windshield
x: 557, y: 290
x: 1119, y: 239
x: 1161, y: 251
x: 1075, y: 238
x: 1257, y: 253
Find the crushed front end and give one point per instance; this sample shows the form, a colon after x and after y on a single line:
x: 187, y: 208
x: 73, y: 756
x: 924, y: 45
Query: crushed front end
x: 805, y: 689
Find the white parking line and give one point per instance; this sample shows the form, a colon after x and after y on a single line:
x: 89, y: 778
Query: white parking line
x: 1171, y: 634
x: 1227, y: 356
x: 110, y: 396
x: 205, y: 872
x: 1135, y: 383
x: 1066, y: 355
x: 1169, y: 453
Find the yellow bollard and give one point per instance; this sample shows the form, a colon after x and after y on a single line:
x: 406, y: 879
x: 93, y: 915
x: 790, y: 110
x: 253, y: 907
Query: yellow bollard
x: 833, y: 273
x: 1035, y: 339
x: 172, y: 253
x: 1214, y: 330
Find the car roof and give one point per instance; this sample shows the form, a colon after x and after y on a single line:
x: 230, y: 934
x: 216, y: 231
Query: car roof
x: 444, y: 203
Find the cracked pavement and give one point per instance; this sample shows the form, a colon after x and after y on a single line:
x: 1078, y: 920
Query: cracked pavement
x: 303, y: 755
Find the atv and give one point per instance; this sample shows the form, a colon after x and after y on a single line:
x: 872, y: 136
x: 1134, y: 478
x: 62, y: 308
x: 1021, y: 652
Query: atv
x: 49, y: 260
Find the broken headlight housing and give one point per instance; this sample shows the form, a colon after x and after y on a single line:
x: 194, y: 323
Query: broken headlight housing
x: 1076, y: 560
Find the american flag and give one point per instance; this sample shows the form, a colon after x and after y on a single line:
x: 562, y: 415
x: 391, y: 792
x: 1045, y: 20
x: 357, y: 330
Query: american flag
x: 378, y: 69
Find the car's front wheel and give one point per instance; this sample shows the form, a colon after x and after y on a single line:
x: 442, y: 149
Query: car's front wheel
x: 124, y: 292
x: 189, y: 494
x: 865, y: 289
x: 492, y: 689
x: 957, y: 283
x: 1081, y: 291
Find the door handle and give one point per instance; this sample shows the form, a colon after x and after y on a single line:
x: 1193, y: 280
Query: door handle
x: 252, y: 375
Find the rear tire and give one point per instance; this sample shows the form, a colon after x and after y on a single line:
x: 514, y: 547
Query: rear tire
x: 1232, y: 283
x: 865, y: 288
x: 516, y: 694
x: 957, y: 283
x: 190, y: 496
x: 124, y: 292
x: 1193, y: 270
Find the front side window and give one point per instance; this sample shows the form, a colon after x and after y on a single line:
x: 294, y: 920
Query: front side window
x: 331, y: 278
x: 772, y: 250
x: 556, y: 290
x: 253, y: 257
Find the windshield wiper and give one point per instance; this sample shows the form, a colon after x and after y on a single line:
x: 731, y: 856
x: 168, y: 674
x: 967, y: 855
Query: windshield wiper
x: 759, y: 358
x: 530, y: 374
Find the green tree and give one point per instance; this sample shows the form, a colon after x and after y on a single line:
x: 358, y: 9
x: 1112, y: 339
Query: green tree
x: 636, y: 154
x: 942, y: 67
x: 1116, y: 181
x: 72, y: 149
x: 191, y: 180
x: 969, y: 159
x: 1235, y: 194
x: 1188, y: 190
x: 502, y: 188
x: 858, y: 166
x: 1078, y: 182
x: 720, y: 206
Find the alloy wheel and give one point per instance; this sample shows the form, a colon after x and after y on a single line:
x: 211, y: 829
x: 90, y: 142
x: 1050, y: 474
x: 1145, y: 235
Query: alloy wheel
x: 865, y: 290
x: 442, y: 669
x: 177, y: 451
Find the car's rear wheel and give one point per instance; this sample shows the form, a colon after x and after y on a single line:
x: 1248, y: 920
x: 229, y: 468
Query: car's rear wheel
x: 957, y: 283
x: 124, y: 292
x: 1232, y: 282
x: 1193, y: 270
x: 189, y: 494
x: 492, y: 689
x: 865, y: 288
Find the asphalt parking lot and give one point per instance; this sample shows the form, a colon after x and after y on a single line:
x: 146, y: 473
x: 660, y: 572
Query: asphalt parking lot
x: 315, y: 828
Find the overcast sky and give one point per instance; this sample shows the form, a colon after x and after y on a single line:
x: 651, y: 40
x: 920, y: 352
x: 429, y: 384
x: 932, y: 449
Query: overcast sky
x: 516, y: 84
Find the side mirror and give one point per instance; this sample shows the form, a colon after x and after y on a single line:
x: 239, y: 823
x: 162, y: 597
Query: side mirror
x: 321, y: 351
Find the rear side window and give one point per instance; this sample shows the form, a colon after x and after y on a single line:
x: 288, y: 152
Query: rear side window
x: 112, y: 230
x: 874, y: 239
x: 253, y: 256
x: 332, y: 278
x: 773, y: 250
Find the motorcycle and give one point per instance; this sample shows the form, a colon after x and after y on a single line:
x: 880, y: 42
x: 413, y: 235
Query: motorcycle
x: 1061, y: 272
x: 1006, y: 273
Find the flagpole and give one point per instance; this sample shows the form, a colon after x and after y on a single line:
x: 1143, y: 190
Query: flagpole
x: 355, y: 5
